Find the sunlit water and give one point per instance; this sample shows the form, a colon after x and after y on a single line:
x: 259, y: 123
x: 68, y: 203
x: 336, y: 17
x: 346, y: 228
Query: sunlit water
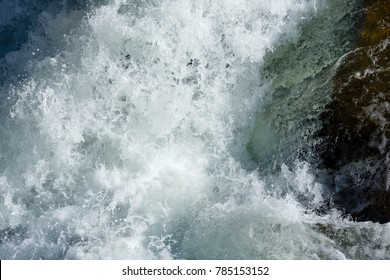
x: 146, y: 130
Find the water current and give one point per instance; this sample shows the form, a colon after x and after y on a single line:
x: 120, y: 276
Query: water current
x: 175, y: 129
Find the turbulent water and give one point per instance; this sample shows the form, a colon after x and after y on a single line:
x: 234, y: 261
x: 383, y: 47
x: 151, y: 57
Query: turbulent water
x: 157, y: 130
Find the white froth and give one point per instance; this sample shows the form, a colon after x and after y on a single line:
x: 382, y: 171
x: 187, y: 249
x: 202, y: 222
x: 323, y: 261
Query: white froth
x: 131, y: 138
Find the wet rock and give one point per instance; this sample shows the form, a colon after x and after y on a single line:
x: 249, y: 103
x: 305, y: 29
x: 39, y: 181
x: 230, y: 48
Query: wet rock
x: 301, y: 72
x: 357, y: 124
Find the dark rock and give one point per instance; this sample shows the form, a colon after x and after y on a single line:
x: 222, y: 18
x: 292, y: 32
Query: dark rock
x: 357, y: 123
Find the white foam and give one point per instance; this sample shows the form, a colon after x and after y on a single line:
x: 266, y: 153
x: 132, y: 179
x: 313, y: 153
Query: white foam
x: 133, y: 137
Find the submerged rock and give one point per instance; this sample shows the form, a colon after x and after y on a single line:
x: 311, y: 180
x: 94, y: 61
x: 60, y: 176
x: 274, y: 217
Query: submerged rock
x: 357, y: 124
x: 348, y: 145
x: 301, y: 86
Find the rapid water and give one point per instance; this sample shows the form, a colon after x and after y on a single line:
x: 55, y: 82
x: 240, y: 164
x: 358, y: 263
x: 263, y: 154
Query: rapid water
x: 151, y: 130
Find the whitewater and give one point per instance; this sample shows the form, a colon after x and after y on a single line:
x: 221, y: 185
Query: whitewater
x: 144, y: 130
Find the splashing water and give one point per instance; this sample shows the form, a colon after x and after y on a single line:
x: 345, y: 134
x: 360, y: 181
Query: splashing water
x: 125, y: 137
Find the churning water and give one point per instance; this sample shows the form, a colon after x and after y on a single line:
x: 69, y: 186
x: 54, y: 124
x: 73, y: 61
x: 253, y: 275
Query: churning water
x: 146, y: 130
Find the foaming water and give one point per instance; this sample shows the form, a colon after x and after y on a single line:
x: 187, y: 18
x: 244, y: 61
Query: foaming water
x: 128, y: 140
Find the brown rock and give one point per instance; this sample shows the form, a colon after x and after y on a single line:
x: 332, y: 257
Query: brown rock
x: 357, y: 125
